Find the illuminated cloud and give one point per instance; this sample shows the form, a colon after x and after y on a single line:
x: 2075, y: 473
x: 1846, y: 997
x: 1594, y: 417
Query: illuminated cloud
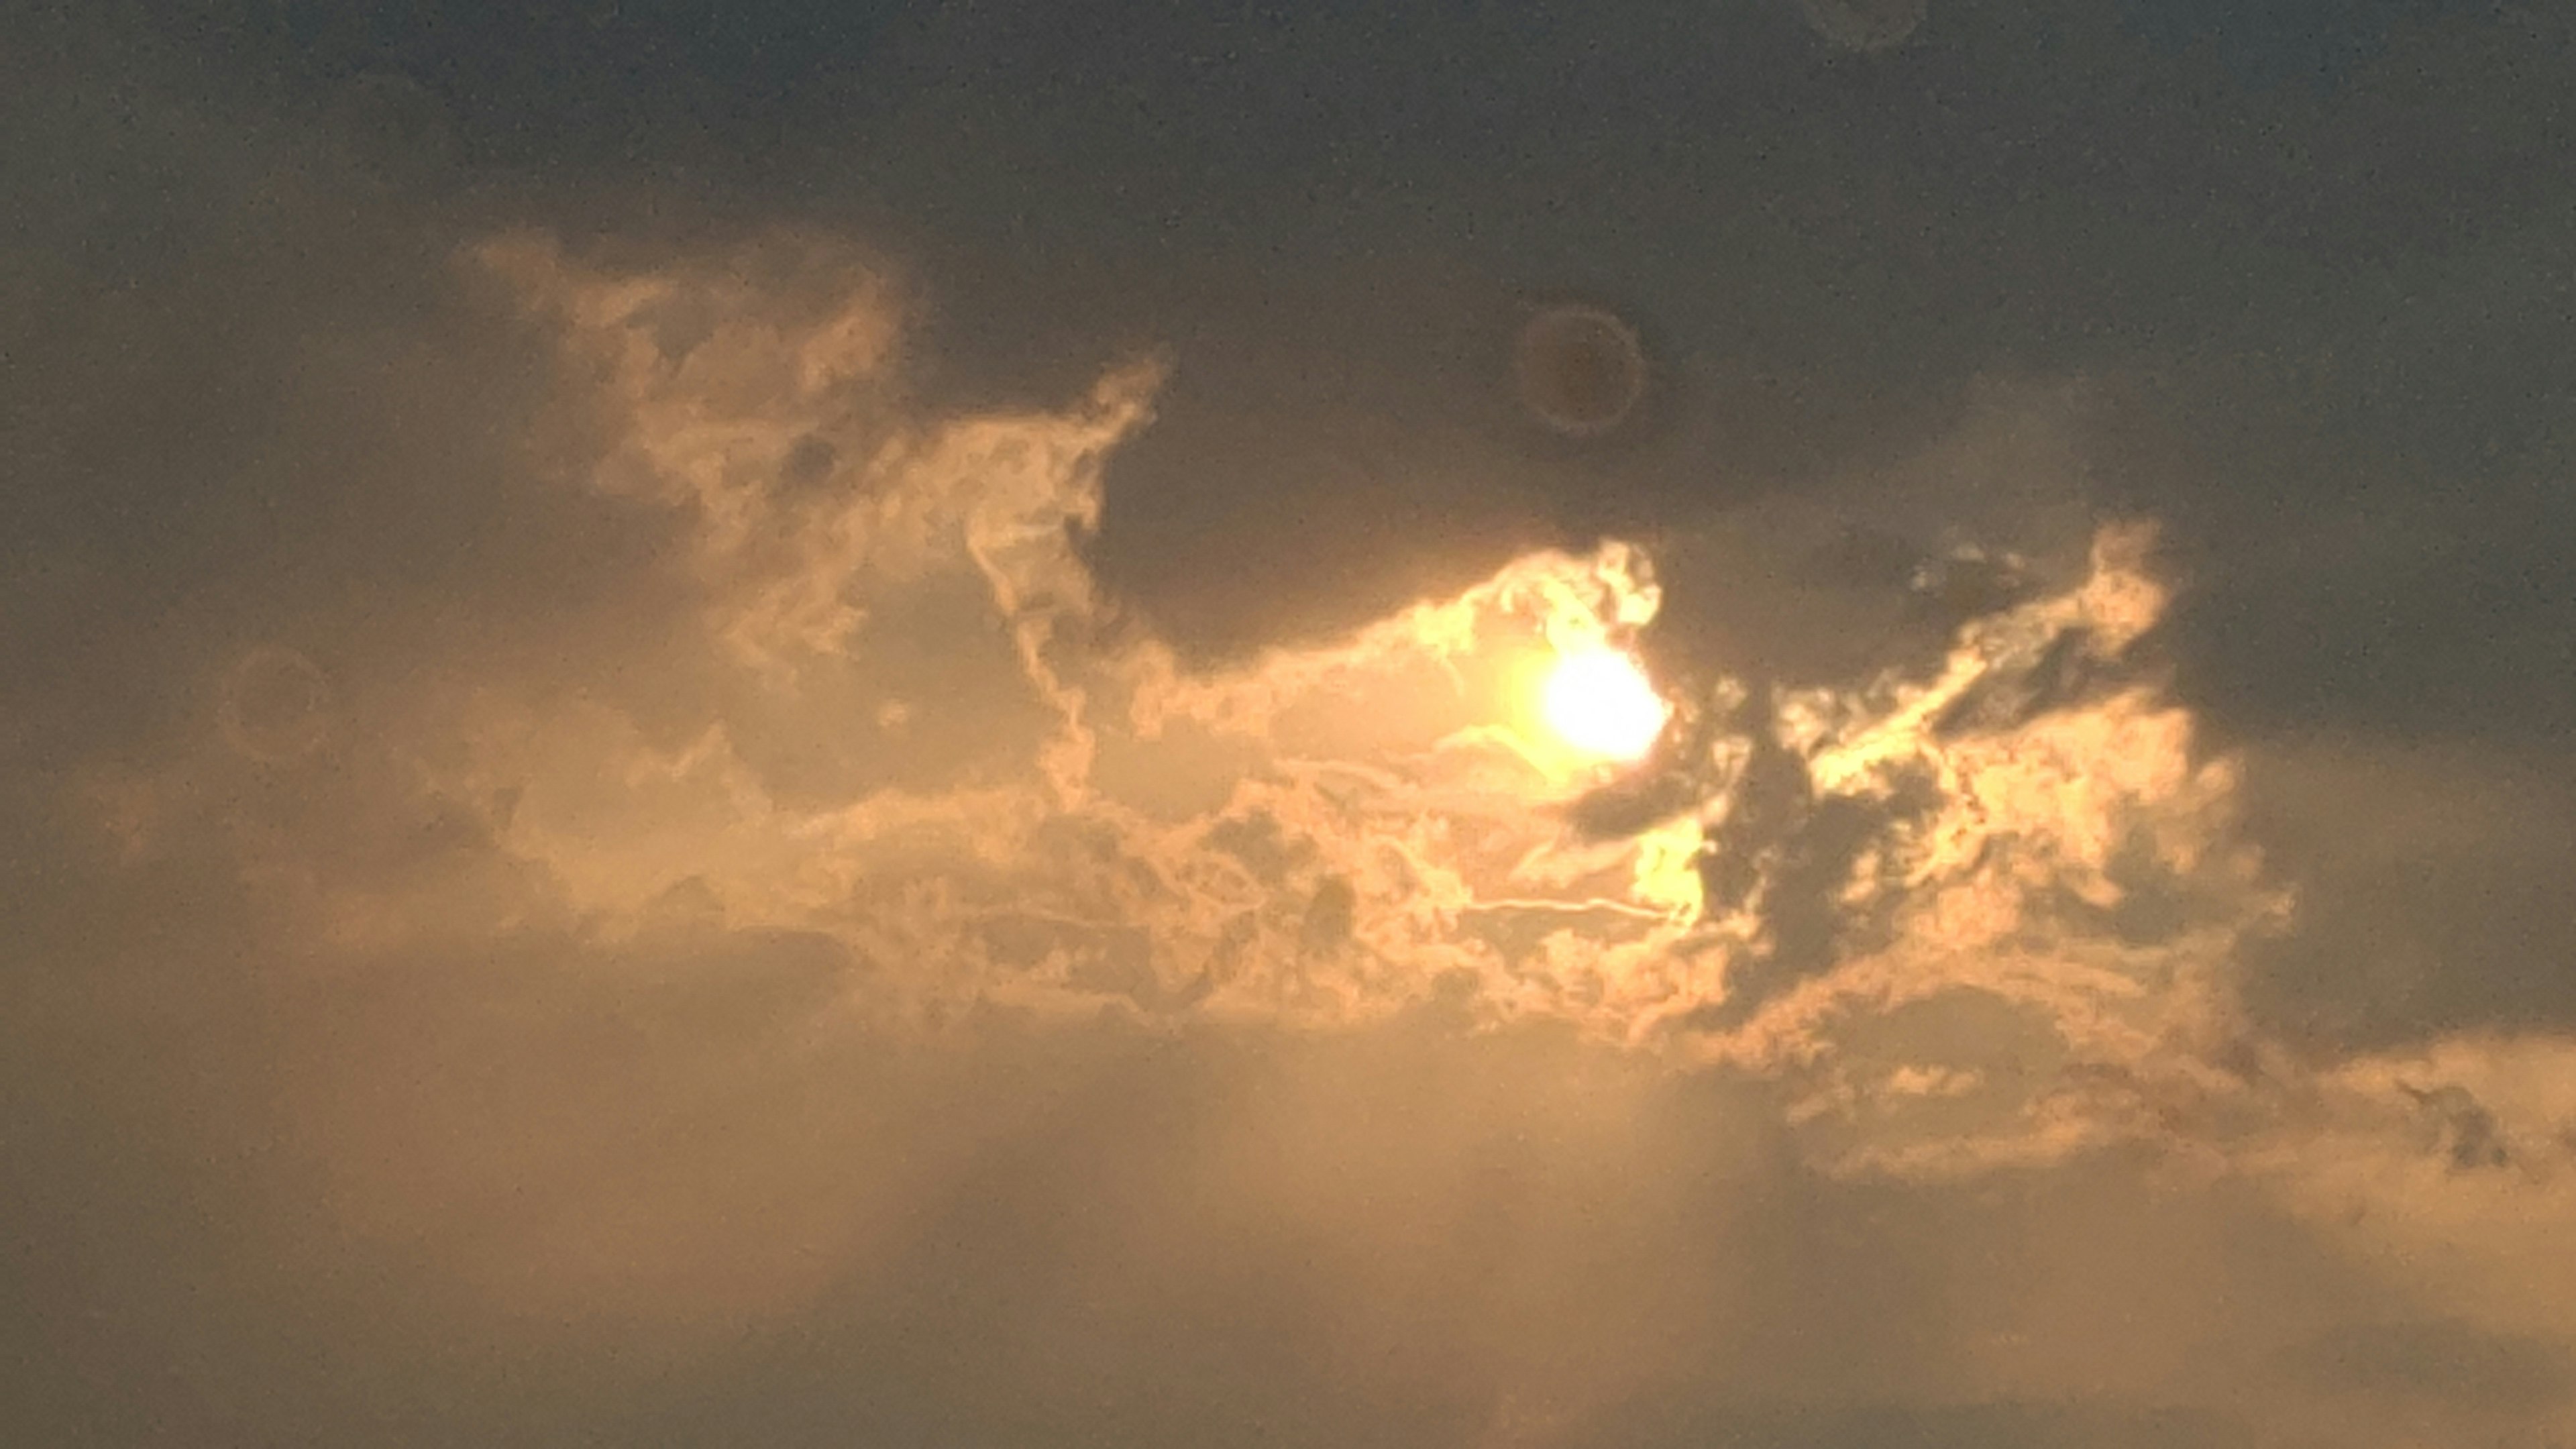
x: 1980, y: 913
x: 627, y: 835
x: 735, y: 950
x: 1983, y: 912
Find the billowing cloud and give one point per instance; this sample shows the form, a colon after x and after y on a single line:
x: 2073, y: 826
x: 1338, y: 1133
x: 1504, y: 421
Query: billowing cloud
x: 661, y: 949
x: 901, y: 714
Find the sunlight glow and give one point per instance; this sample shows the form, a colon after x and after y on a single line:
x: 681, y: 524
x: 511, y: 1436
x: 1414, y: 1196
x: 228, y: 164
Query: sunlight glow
x: 1598, y: 701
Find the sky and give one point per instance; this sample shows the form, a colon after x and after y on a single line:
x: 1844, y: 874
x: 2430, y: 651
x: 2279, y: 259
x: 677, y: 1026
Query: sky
x: 1801, y: 724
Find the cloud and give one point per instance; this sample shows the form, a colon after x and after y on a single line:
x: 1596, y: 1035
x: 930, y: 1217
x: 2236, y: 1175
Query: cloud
x: 891, y: 713
x: 893, y: 710
x: 2430, y: 903
x: 616, y: 834
x: 897, y: 712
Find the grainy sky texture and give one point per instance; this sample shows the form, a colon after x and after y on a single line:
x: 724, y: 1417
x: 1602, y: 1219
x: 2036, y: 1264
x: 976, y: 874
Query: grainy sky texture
x: 797, y: 724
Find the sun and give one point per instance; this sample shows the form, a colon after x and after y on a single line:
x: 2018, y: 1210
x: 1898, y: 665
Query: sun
x: 1598, y: 701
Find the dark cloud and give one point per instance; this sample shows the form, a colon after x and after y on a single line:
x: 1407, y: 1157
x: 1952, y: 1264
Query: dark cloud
x: 2430, y: 900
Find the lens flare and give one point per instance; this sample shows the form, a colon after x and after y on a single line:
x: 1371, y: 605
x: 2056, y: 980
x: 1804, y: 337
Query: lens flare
x: 1598, y: 701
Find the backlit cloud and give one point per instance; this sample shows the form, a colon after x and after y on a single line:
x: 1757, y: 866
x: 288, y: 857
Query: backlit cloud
x: 952, y: 732
x: 901, y: 716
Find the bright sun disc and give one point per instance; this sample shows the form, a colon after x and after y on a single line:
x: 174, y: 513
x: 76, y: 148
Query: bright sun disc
x: 1601, y: 703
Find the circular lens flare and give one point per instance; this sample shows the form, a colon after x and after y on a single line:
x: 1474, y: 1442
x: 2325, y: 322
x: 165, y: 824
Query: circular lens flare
x: 1598, y: 701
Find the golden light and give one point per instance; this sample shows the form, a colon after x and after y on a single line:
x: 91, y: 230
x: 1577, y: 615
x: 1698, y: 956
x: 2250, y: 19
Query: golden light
x: 1598, y: 701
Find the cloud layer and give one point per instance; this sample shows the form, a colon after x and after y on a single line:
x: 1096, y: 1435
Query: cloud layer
x: 667, y: 832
